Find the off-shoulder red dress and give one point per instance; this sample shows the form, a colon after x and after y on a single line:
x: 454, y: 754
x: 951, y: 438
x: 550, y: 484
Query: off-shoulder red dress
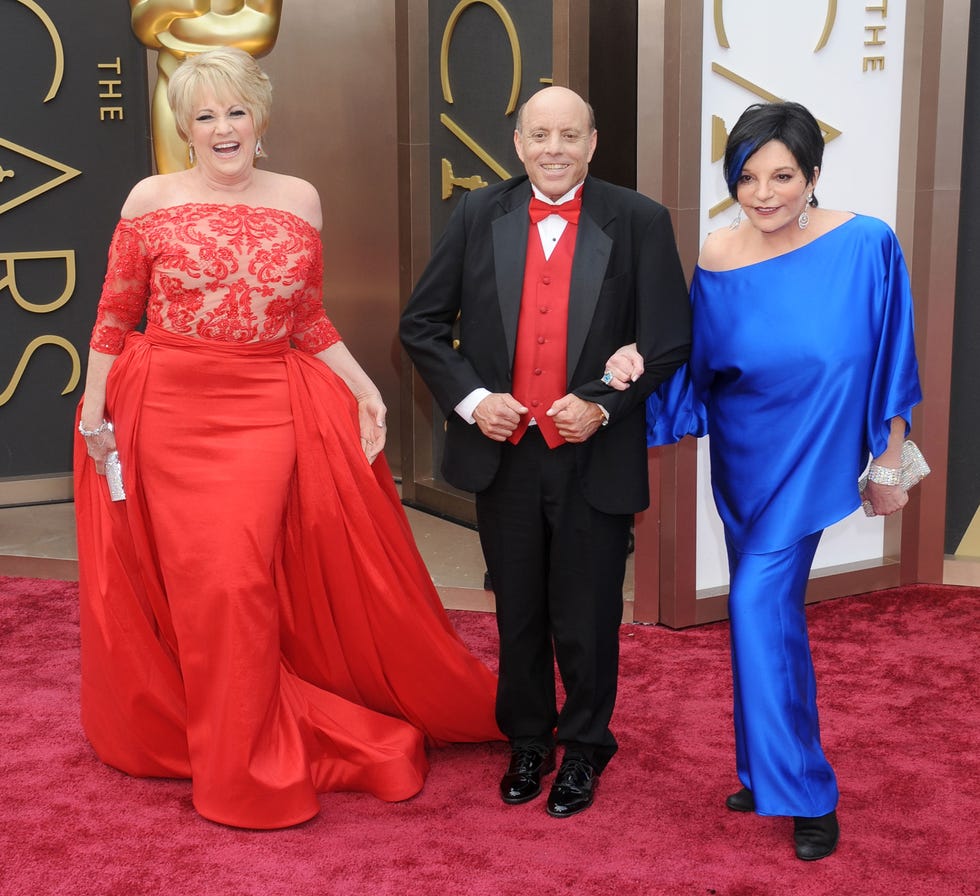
x: 255, y: 614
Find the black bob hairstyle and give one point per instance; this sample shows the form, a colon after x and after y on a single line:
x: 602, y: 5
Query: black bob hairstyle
x: 789, y: 123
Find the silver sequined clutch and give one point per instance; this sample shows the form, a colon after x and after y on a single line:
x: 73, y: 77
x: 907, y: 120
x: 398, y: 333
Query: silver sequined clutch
x: 113, y: 477
x: 914, y: 469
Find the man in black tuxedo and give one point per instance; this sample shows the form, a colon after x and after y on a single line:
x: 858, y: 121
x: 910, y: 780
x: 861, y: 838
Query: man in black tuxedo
x: 544, y: 295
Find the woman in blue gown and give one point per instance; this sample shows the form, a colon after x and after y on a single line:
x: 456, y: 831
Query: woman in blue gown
x: 802, y: 367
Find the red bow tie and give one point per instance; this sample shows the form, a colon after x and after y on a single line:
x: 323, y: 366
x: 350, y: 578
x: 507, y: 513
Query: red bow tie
x: 568, y: 210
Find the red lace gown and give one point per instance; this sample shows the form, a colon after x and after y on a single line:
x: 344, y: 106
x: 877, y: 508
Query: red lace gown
x: 255, y: 614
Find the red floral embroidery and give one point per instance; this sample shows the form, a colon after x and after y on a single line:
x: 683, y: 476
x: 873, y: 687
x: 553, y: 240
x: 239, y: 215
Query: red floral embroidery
x: 230, y: 273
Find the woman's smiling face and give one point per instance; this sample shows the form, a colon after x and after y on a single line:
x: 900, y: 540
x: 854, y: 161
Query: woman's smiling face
x: 772, y: 189
x: 223, y: 136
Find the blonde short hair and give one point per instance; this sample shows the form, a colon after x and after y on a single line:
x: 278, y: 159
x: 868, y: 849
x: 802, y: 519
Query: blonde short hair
x: 230, y: 74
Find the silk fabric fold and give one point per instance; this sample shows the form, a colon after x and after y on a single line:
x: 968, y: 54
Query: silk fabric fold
x: 255, y: 615
x: 797, y: 366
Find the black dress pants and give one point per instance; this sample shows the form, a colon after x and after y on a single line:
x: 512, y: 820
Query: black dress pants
x: 557, y: 567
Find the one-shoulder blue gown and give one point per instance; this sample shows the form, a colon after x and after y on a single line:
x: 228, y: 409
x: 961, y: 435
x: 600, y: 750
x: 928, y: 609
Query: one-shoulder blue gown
x: 798, y: 365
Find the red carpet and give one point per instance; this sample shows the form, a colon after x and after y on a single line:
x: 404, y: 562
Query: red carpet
x: 899, y: 690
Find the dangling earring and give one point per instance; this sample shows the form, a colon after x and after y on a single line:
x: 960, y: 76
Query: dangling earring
x: 804, y: 218
x: 259, y: 153
x: 190, y: 152
x: 736, y: 221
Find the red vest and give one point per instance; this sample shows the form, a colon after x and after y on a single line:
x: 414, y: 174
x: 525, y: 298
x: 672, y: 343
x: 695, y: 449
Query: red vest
x: 540, y: 359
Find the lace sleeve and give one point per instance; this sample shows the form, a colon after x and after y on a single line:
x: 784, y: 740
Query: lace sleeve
x: 312, y: 330
x: 124, y: 292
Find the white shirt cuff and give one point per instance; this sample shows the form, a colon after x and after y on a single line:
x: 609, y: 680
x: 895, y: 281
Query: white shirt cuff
x: 466, y: 407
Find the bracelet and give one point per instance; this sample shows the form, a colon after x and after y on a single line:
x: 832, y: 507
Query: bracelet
x: 104, y: 426
x: 884, y: 475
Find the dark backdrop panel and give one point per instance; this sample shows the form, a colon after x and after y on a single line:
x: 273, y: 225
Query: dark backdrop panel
x: 480, y: 70
x: 473, y: 137
x: 963, y: 495
x: 613, y: 30
x: 92, y: 135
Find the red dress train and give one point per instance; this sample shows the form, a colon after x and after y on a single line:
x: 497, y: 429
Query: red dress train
x: 255, y: 614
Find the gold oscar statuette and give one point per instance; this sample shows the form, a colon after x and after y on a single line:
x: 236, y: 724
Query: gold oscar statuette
x: 177, y: 29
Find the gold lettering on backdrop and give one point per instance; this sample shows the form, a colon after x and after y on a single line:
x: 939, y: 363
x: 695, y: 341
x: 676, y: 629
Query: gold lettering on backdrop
x: 475, y: 181
x: 9, y: 261
x: 33, y: 346
x: 719, y: 137
x: 875, y: 63
x: 719, y: 133
x: 875, y: 31
x: 515, y: 49
x: 449, y: 180
x: 828, y: 26
x: 109, y: 91
x: 474, y: 147
x: 59, y: 50
x: 722, y: 37
x: 717, y: 209
x: 67, y: 173
x: 829, y: 131
x: 177, y: 29
x: 719, y: 16
x: 9, y: 280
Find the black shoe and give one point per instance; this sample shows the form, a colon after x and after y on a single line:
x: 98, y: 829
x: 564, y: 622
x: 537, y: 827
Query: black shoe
x: 743, y: 801
x: 816, y: 838
x: 574, y: 788
x: 522, y: 782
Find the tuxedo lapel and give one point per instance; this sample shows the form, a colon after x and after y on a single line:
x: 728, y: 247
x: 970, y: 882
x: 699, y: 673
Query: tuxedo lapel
x: 592, y: 250
x: 509, y: 258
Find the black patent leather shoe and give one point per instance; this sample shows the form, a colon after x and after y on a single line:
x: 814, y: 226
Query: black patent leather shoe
x: 743, y: 801
x: 522, y: 780
x: 574, y: 788
x: 816, y: 838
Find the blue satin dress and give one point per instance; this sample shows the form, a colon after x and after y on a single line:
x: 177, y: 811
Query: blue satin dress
x: 798, y: 365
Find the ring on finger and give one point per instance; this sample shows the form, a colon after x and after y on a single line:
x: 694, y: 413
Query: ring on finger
x: 607, y: 377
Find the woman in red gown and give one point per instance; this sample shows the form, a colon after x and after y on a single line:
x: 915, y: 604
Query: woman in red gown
x: 255, y: 614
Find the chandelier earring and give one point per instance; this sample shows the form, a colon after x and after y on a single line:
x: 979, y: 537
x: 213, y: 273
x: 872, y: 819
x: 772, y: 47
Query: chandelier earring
x: 736, y: 221
x: 804, y: 218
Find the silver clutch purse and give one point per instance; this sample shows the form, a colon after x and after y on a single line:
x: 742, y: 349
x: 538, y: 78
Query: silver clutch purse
x: 914, y: 470
x: 113, y: 477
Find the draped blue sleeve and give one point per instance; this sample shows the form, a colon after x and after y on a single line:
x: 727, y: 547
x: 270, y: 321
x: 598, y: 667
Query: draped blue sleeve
x: 895, y: 388
x: 800, y: 361
x: 674, y: 411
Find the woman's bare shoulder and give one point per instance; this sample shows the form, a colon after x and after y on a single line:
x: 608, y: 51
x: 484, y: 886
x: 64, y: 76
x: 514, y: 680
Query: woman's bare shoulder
x: 150, y: 194
x: 718, y: 249
x: 294, y: 195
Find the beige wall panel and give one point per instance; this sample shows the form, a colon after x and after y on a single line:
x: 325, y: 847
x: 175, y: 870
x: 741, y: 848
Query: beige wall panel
x: 334, y: 122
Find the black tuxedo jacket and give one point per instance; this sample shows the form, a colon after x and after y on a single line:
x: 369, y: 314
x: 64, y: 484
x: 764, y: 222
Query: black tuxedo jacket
x: 627, y: 286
